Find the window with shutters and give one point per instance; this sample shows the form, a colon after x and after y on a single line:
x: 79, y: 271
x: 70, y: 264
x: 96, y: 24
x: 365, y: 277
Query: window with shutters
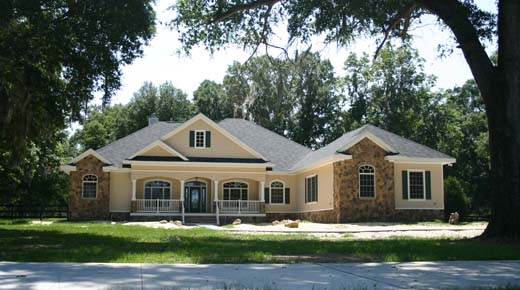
x: 311, y: 189
x: 200, y: 139
x: 416, y: 184
x: 277, y: 192
x: 235, y: 190
x: 89, y: 186
x: 367, y: 181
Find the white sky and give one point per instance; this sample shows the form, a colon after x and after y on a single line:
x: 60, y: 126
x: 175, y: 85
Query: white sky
x: 161, y: 63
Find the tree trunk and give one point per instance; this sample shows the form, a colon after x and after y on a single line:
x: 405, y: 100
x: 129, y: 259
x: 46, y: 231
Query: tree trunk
x: 503, y: 112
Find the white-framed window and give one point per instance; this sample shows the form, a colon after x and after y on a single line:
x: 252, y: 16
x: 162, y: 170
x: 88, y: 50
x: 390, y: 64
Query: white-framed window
x: 235, y: 190
x: 416, y: 184
x: 277, y: 189
x: 200, y: 139
x: 89, y: 187
x: 157, y: 189
x: 367, y: 181
x: 311, y: 189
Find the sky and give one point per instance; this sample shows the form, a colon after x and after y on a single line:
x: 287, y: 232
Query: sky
x: 161, y: 62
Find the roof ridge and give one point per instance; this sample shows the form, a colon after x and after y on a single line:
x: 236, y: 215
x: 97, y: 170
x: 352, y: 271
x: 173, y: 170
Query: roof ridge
x: 273, y: 132
x: 407, y: 139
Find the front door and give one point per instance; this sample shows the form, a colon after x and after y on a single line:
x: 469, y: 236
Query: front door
x: 195, y: 197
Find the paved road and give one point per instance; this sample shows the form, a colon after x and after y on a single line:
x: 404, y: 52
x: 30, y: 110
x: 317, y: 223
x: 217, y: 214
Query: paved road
x: 420, y: 275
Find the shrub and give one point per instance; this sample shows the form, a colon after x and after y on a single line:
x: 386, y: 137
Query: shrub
x: 455, y: 199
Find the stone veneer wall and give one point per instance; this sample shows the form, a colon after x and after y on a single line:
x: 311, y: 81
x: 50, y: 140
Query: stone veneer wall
x: 346, y: 185
x: 89, y: 209
x: 381, y: 208
x: 322, y: 216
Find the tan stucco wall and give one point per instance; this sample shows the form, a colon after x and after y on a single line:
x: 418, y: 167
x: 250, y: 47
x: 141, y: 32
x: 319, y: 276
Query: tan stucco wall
x: 437, y: 201
x: 290, y: 182
x: 120, y: 191
x: 157, y: 151
x: 221, y: 146
x: 325, y: 189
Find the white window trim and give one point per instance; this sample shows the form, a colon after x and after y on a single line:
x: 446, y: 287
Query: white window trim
x: 311, y: 202
x: 424, y: 184
x: 236, y: 180
x: 83, y: 186
x: 270, y: 192
x: 203, y: 139
x: 359, y: 182
x: 163, y: 180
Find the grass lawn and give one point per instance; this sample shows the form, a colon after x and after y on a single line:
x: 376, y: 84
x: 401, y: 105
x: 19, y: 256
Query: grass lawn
x: 103, y: 242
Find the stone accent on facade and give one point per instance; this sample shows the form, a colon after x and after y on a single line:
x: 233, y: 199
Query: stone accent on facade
x: 418, y: 215
x: 89, y: 209
x: 351, y: 207
x: 322, y: 216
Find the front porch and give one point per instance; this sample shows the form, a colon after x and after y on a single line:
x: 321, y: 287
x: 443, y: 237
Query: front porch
x: 197, y: 197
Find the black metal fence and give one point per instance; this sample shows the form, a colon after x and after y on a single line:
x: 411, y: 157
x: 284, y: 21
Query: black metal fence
x: 14, y: 211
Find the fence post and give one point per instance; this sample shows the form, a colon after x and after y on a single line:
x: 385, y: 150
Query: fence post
x: 239, y: 204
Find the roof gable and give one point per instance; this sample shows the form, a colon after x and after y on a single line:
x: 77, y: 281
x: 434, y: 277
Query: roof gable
x: 158, y: 148
x: 196, y: 123
x: 88, y: 153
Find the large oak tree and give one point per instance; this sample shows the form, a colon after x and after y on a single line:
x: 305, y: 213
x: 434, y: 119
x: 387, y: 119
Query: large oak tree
x: 250, y: 23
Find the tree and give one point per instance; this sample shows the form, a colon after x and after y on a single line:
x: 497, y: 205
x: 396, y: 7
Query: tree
x: 298, y: 99
x: 166, y: 101
x: 215, y: 24
x: 393, y: 93
x: 54, y: 55
x: 317, y: 103
x: 101, y: 126
x: 211, y: 100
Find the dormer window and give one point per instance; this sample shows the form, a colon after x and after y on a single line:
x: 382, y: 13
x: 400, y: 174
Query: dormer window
x: 200, y: 139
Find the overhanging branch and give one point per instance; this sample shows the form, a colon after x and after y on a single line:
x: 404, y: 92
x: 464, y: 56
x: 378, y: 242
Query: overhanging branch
x: 242, y: 7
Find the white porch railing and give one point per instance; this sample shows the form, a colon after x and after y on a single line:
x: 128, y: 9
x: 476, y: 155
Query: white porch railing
x: 239, y: 206
x: 158, y: 205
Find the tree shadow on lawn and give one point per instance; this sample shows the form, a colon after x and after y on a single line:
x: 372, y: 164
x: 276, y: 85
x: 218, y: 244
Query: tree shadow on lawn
x: 190, y: 246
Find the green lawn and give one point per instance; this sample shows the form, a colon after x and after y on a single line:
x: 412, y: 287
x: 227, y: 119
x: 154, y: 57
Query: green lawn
x: 103, y: 242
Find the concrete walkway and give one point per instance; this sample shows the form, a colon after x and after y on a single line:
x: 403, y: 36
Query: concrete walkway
x: 419, y: 275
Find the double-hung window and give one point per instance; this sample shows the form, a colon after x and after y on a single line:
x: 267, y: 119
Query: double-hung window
x: 416, y: 184
x: 277, y: 192
x: 89, y: 187
x: 200, y: 139
x: 311, y: 189
x: 367, y: 181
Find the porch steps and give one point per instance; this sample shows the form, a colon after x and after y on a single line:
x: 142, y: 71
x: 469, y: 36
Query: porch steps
x: 200, y: 220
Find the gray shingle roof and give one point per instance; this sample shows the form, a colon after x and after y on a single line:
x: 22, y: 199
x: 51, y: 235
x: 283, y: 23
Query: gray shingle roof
x: 125, y: 147
x: 284, y: 153
x: 281, y: 151
x: 402, y: 146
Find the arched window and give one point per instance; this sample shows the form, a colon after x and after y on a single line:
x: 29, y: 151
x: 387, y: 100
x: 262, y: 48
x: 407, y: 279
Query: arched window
x: 235, y: 190
x: 89, y: 188
x: 157, y: 189
x: 367, y: 181
x: 277, y: 192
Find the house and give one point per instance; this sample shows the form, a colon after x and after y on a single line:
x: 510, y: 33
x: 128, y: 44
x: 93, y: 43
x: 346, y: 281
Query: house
x: 236, y: 168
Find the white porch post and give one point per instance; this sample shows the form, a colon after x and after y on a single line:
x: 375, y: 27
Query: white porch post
x: 261, y: 191
x: 215, y: 193
x: 133, y: 189
x: 182, y: 199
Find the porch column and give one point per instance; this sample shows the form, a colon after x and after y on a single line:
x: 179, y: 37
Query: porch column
x: 215, y: 193
x: 182, y: 200
x: 261, y: 191
x: 133, y: 190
